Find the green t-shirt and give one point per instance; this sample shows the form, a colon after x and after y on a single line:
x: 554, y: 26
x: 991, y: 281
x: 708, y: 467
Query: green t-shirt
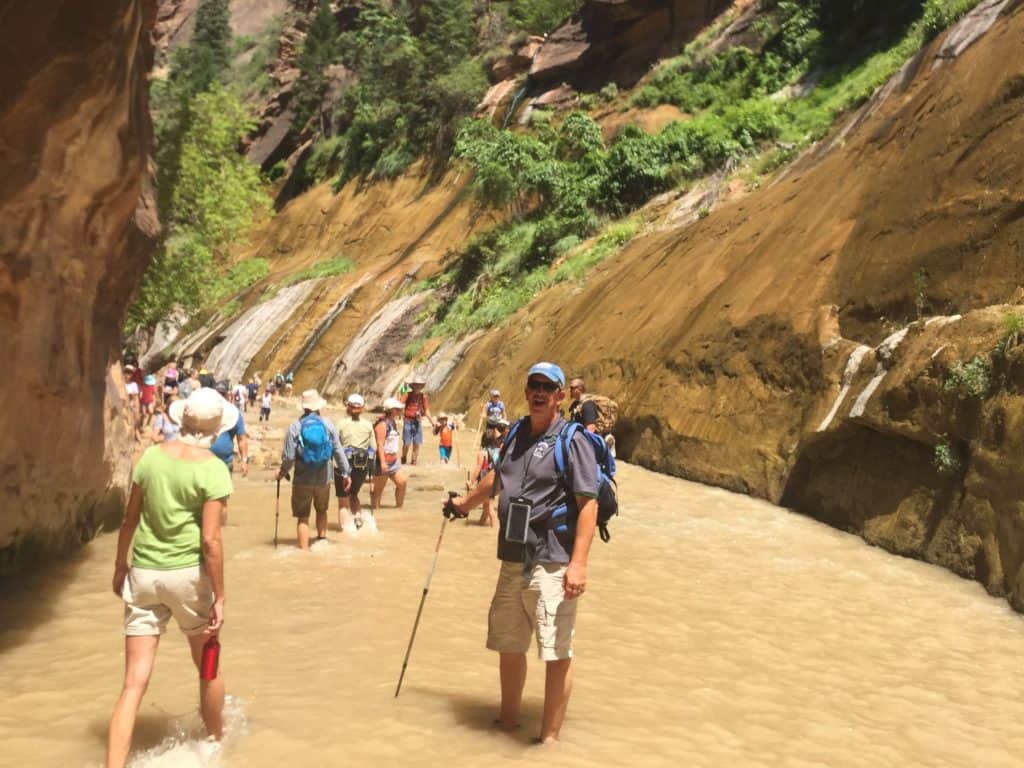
x: 173, y: 493
x: 356, y: 433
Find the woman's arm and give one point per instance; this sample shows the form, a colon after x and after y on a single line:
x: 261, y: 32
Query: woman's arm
x: 132, y: 513
x: 213, y: 558
x: 379, y: 432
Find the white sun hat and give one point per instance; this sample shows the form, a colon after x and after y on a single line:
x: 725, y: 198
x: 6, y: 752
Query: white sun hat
x: 355, y: 400
x: 311, y: 400
x: 392, y: 403
x: 203, y: 416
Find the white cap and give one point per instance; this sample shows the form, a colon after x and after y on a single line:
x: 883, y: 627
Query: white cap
x: 391, y: 403
x: 355, y: 399
x: 495, y: 393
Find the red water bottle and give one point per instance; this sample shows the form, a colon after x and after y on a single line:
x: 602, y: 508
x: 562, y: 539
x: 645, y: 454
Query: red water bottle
x: 211, y: 657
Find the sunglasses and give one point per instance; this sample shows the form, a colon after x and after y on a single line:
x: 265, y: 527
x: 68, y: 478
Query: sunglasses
x: 548, y: 386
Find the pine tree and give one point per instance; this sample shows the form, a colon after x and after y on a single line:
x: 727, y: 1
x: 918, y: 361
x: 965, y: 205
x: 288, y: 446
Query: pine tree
x: 449, y: 33
x: 319, y: 51
x: 207, y: 59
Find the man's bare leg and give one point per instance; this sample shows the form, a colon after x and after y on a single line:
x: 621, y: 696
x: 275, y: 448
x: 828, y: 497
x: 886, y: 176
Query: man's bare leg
x: 512, y: 670
x: 139, y: 654
x: 557, y: 687
x: 302, y: 531
x: 344, y: 518
x: 211, y: 692
x: 321, y: 524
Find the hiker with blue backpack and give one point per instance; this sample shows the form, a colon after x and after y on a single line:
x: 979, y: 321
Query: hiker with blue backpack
x: 313, y: 448
x: 553, y: 481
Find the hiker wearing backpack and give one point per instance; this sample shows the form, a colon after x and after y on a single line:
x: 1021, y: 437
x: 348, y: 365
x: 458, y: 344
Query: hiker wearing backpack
x: 416, y: 406
x: 223, y: 445
x: 486, y: 459
x: 389, y: 463
x: 313, y: 448
x: 548, y: 483
x: 596, y: 413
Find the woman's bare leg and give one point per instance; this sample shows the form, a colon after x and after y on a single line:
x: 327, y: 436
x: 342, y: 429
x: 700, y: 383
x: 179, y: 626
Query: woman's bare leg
x: 139, y: 654
x: 211, y: 692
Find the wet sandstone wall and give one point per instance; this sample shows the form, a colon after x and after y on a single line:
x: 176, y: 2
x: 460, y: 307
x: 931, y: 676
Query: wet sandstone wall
x: 76, y: 233
x: 726, y: 341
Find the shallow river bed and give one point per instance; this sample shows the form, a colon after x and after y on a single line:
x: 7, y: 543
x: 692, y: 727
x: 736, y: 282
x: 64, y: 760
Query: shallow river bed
x: 717, y: 631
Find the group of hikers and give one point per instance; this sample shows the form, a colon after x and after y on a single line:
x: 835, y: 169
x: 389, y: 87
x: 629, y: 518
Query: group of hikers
x: 549, y: 477
x: 149, y: 401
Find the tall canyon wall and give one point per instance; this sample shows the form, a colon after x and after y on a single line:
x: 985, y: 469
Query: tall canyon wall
x: 76, y: 233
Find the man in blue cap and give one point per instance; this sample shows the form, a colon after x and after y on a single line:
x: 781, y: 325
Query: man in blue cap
x: 544, y: 538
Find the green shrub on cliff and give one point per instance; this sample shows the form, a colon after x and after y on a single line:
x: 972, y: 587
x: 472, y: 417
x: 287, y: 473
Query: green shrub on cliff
x: 970, y: 379
x: 945, y: 459
x: 339, y: 265
x: 540, y: 16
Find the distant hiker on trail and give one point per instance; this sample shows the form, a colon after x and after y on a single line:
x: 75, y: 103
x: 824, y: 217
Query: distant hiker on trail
x: 313, y: 448
x: 172, y: 525
x: 224, y: 444
x: 416, y: 407
x: 581, y: 411
x: 389, y: 463
x: 445, y: 433
x: 188, y: 384
x: 171, y: 375
x: 132, y: 390
x: 360, y: 446
x: 596, y: 413
x: 206, y: 378
x: 486, y: 461
x: 493, y: 410
x: 164, y: 427
x: 289, y: 383
x: 278, y: 383
x: 252, y: 391
x: 265, y: 405
x: 147, y: 398
x: 241, y: 396
x: 544, y: 541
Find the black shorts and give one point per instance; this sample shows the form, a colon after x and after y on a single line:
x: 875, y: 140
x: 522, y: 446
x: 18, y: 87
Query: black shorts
x: 359, y: 476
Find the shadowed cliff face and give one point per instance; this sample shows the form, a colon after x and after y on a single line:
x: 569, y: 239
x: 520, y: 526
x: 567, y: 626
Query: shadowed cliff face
x: 77, y: 228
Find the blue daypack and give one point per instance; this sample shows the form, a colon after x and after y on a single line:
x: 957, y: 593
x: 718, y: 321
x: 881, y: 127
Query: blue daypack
x: 607, y: 497
x: 315, y: 441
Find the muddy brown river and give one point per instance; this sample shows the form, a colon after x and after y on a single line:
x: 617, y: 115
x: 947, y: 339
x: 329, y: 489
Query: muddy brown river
x: 716, y: 631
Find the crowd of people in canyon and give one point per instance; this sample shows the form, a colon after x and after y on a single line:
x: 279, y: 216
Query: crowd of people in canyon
x: 539, y: 472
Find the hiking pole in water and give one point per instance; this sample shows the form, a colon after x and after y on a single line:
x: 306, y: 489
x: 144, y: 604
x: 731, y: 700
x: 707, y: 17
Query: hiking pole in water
x: 277, y: 505
x: 449, y: 512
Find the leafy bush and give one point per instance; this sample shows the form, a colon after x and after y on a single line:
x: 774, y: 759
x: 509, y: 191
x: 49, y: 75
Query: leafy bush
x: 242, y: 275
x: 611, y: 241
x: 339, y: 265
x: 412, y: 349
x: 325, y: 158
x: 945, y: 459
x: 609, y: 92
x: 939, y: 15
x: 541, y: 16
x: 971, y: 379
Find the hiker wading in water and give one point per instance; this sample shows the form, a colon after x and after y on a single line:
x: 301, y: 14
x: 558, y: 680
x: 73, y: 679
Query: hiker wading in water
x: 416, y: 406
x: 313, y: 448
x: 172, y: 526
x: 544, y: 538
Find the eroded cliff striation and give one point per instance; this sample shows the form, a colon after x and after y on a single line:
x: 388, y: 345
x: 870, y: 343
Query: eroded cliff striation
x: 76, y: 234
x: 729, y: 341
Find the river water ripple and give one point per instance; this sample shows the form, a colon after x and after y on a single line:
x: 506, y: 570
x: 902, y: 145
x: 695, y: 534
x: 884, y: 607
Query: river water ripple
x: 717, y: 631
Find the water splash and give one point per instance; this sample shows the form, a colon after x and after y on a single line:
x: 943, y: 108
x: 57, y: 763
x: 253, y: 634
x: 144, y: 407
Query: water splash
x: 186, y: 747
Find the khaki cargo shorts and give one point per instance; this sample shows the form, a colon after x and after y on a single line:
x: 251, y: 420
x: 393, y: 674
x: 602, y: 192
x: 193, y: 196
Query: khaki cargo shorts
x: 151, y: 597
x: 304, y: 496
x: 524, y: 606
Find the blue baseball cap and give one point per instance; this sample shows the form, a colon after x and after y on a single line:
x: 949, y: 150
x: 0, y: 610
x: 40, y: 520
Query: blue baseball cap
x: 549, y: 371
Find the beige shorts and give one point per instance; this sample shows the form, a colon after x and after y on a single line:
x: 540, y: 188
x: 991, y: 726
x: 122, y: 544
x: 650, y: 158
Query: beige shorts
x: 524, y: 606
x: 151, y: 597
x: 304, y: 496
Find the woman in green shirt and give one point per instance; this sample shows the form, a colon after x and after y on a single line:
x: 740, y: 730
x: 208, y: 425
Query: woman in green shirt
x: 172, y: 527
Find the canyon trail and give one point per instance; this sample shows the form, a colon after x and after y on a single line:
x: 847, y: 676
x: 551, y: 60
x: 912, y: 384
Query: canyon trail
x: 718, y: 630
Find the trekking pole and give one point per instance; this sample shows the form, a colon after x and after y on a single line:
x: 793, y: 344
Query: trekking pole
x: 449, y: 511
x: 277, y: 506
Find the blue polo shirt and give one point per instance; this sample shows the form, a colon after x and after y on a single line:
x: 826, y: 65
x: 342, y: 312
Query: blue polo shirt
x: 224, y: 446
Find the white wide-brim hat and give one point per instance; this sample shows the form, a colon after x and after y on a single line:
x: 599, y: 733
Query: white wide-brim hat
x: 311, y: 400
x: 355, y: 400
x: 203, y: 416
x: 392, y: 403
x: 418, y: 378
